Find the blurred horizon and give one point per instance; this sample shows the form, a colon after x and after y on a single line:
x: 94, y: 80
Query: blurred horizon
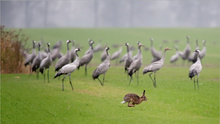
x: 110, y: 13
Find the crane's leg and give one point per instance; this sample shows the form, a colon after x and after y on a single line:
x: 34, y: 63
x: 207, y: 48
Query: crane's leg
x: 130, y: 79
x: 155, y: 85
x: 86, y: 70
x: 103, y: 78
x: 63, y: 82
x: 137, y: 77
x: 194, y: 83
x: 70, y: 81
x: 44, y: 76
x: 198, y: 82
x: 48, y: 80
x: 100, y: 81
x: 37, y: 74
x: 151, y: 77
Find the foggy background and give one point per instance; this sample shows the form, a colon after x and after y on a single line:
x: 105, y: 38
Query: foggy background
x: 111, y: 13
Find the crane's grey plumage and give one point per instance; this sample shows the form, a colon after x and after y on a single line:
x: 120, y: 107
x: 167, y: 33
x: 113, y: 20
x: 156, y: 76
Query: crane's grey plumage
x: 116, y: 55
x: 57, y: 45
x: 125, y: 56
x: 136, y: 65
x: 98, y: 47
x: 56, y: 54
x: 68, y: 69
x: 185, y: 54
x: 175, y: 57
x: 103, y: 55
x: 37, y: 60
x: 85, y: 60
x: 195, y: 69
x: 203, y: 52
x: 193, y: 57
x: 30, y: 57
x: 72, y: 52
x: 155, y: 66
x: 102, y: 68
x: 64, y: 59
x: 128, y: 59
x: 156, y: 54
x: 45, y: 63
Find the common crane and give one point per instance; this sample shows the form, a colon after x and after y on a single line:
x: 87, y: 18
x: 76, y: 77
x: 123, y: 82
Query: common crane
x: 193, y: 57
x: 85, y: 60
x: 45, y: 63
x: 37, y: 60
x: 64, y: 59
x: 154, y: 67
x: 116, y: 55
x: 136, y: 65
x: 175, y: 57
x: 102, y: 68
x: 30, y: 57
x: 195, y: 69
x: 128, y: 59
x: 156, y: 54
x: 186, y: 52
x: 68, y: 69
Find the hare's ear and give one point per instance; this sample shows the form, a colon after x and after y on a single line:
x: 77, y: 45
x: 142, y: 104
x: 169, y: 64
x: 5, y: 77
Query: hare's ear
x: 144, y: 93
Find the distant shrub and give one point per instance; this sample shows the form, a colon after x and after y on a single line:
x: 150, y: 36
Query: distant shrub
x: 12, y: 44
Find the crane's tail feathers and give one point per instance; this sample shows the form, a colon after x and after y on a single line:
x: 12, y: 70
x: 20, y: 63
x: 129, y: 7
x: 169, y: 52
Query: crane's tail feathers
x: 42, y: 70
x: 34, y: 68
x: 191, y: 74
x: 123, y: 102
x: 26, y: 64
x: 130, y: 73
x: 146, y: 71
x: 58, y: 74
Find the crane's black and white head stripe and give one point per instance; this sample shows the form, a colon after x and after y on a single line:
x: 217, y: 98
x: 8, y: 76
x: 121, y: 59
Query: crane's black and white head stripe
x: 48, y: 44
x: 126, y: 44
x: 197, y: 51
x: 77, y: 49
x: 68, y: 41
x: 107, y: 48
x: 39, y: 43
x: 92, y: 42
x: 140, y: 44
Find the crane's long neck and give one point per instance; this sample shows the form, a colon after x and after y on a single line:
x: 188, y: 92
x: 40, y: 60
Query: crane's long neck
x: 67, y: 46
x: 198, y: 58
x: 164, y: 54
x: 128, y: 51
x: 108, y: 57
x: 34, y: 51
x: 39, y: 48
x: 91, y: 47
x: 139, y: 52
x: 77, y: 58
x: 48, y: 54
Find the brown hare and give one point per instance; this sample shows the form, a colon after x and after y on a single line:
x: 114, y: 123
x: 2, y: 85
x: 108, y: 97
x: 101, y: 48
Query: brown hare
x: 134, y: 99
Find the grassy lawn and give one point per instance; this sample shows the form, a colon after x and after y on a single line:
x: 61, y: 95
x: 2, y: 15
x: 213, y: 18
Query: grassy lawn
x: 24, y: 99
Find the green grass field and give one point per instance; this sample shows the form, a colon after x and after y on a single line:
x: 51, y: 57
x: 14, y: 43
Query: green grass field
x: 24, y: 99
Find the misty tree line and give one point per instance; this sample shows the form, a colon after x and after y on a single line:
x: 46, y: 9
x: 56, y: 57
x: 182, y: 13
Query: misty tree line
x: 111, y: 13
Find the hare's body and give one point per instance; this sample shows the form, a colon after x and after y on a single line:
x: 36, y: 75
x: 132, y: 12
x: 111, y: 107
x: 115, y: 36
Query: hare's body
x: 133, y: 99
